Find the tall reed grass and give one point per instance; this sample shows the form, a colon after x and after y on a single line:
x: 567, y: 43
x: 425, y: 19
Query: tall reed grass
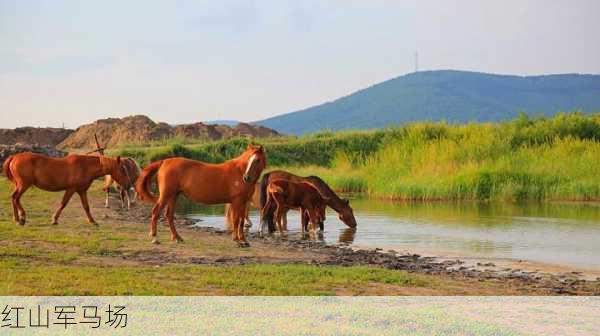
x: 523, y: 159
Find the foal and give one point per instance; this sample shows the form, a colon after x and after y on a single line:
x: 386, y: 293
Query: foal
x: 289, y: 195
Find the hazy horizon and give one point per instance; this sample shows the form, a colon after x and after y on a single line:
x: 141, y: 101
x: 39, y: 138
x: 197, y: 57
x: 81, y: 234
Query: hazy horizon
x: 73, y: 63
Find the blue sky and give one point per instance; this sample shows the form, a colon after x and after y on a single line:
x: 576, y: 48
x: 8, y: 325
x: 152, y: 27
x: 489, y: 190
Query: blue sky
x: 73, y: 62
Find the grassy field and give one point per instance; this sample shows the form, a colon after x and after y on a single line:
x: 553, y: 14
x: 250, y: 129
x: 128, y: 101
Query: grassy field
x: 524, y: 159
x: 117, y: 258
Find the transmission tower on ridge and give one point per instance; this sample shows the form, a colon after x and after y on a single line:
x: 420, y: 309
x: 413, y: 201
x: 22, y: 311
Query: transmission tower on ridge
x: 416, y: 61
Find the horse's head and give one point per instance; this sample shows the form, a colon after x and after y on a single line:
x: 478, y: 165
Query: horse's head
x: 257, y: 161
x: 116, y: 168
x: 346, y: 214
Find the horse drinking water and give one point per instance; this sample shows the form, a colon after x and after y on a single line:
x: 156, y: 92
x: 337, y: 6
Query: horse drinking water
x: 287, y: 195
x: 341, y: 206
x: 73, y: 173
x: 230, y: 182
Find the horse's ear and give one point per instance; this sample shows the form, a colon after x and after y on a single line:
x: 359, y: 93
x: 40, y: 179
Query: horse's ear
x: 259, y: 148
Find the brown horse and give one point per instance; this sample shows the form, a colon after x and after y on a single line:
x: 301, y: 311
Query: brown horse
x: 255, y: 202
x: 132, y: 172
x: 341, y: 206
x: 230, y: 182
x: 73, y: 173
x: 286, y: 195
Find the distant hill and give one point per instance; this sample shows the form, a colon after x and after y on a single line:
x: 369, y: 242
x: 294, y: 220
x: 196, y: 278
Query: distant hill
x: 454, y: 96
x: 141, y: 129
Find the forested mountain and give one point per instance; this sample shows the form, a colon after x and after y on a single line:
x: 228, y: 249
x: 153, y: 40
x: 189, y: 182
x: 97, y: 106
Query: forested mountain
x: 454, y: 96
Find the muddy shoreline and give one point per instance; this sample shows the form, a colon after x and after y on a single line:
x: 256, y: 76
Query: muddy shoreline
x: 343, y: 255
x: 316, y: 252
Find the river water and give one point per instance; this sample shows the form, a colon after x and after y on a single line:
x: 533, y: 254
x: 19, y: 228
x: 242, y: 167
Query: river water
x: 566, y: 234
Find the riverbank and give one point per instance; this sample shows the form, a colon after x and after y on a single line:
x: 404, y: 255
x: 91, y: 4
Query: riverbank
x: 117, y: 258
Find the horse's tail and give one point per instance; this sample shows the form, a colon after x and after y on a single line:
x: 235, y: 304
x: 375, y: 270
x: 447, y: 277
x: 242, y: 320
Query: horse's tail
x: 142, y: 186
x: 266, y: 215
x: 6, y: 168
x: 262, y: 193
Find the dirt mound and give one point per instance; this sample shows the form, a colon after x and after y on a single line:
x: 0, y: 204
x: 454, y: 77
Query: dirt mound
x: 257, y: 131
x: 40, y: 136
x: 8, y: 150
x: 141, y: 129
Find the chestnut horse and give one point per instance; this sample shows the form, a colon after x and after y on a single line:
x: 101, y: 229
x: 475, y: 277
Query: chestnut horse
x: 230, y: 182
x: 341, y: 206
x: 73, y: 173
x: 255, y: 202
x: 132, y: 172
x: 286, y: 194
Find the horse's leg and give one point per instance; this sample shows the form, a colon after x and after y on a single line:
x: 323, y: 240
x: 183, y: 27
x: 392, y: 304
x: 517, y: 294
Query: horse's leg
x: 228, y: 217
x: 121, y: 196
x: 86, y: 206
x: 267, y: 213
x: 238, y: 224
x: 313, y: 219
x: 246, y: 218
x: 156, y: 212
x: 284, y: 220
x: 19, y: 192
x: 63, y: 204
x: 171, y: 219
x: 233, y: 217
x: 13, y: 199
x: 163, y: 200
x: 303, y: 220
x: 240, y: 230
x: 134, y: 196
x: 278, y: 215
x: 128, y: 198
x: 106, y: 187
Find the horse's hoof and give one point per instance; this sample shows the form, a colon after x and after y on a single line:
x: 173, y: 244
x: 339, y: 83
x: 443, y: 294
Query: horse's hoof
x: 177, y: 239
x: 155, y: 241
x: 22, y: 221
x: 54, y: 222
x: 243, y: 244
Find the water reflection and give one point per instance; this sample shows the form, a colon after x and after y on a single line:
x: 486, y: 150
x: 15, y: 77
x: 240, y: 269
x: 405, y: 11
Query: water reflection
x: 347, y: 235
x: 560, y: 233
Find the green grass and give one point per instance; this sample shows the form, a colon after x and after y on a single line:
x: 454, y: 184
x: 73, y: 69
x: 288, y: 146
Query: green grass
x: 523, y: 159
x: 76, y: 258
x: 22, y: 278
x: 317, y: 149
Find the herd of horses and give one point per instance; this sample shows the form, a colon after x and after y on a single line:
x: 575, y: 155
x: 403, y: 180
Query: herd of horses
x: 236, y: 183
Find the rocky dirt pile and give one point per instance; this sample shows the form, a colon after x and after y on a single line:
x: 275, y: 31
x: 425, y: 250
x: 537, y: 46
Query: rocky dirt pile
x: 40, y: 136
x: 141, y: 129
x: 8, y: 150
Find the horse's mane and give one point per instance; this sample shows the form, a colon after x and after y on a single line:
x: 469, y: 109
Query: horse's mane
x: 324, y: 189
